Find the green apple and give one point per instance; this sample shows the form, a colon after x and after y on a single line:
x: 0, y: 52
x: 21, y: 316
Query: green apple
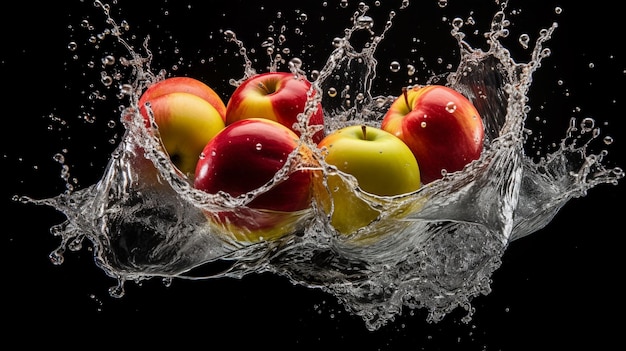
x: 381, y: 163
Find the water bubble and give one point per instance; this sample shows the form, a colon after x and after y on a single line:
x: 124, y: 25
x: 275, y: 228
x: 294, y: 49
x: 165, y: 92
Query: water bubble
x: 364, y: 22
x: 394, y: 66
x: 58, y: 157
x: 451, y: 107
x: 258, y: 146
x: 410, y: 70
x: 108, y: 60
x: 106, y: 79
x: 229, y: 35
x: 303, y: 17
x: 524, y: 39
x: 587, y: 124
x: 457, y: 23
x: 442, y: 3
x: 72, y: 46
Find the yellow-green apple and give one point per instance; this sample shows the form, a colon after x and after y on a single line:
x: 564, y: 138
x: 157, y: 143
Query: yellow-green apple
x: 188, y: 114
x: 441, y: 126
x: 381, y: 163
x: 278, y: 96
x: 243, y: 159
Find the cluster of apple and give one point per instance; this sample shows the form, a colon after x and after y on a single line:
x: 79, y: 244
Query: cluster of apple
x: 238, y: 148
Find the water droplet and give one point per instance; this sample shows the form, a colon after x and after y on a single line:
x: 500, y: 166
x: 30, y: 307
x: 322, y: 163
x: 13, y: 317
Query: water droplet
x: 364, y: 22
x: 258, y: 146
x: 524, y: 39
x: 343, y: 3
x: 451, y: 107
x: 442, y: 3
x: 608, y: 140
x: 332, y: 92
x: 229, y: 35
x: 457, y: 23
x: 423, y: 124
x: 72, y: 46
x: 587, y: 124
x: 410, y: 70
x: 394, y: 66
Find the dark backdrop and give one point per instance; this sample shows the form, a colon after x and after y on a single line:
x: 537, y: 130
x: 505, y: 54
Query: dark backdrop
x: 557, y: 287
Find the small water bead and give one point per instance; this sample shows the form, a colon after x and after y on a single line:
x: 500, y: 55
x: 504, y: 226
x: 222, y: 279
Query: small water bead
x: 442, y: 3
x: 332, y: 92
x: 410, y: 70
x: 343, y: 3
x: 451, y: 107
x: 587, y: 124
x: 423, y: 124
x: 72, y: 46
x: 56, y: 257
x: 315, y: 74
x: 338, y: 42
x: 558, y: 10
x: 457, y: 23
x: 524, y: 39
x: 394, y: 66
x: 126, y: 89
x: 608, y: 140
x: 229, y: 35
x: 364, y: 22
x: 405, y: 4
x: 258, y: 146
x: 106, y: 79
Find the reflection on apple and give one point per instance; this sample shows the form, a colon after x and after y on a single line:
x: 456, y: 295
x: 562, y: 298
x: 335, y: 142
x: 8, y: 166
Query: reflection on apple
x: 441, y: 126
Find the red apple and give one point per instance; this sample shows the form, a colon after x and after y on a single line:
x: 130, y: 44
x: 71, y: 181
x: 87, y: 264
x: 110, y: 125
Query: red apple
x: 188, y: 113
x: 242, y: 158
x: 277, y: 96
x: 441, y: 126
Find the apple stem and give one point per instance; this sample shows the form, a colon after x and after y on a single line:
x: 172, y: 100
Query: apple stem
x: 406, y: 97
x: 264, y: 87
x: 364, y: 129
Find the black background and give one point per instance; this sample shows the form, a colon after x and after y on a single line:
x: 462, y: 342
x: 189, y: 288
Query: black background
x: 558, y: 287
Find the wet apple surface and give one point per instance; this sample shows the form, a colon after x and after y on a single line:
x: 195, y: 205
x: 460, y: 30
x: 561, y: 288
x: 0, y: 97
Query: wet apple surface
x: 444, y: 260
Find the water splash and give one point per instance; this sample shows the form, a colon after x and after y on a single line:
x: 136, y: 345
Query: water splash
x: 144, y: 220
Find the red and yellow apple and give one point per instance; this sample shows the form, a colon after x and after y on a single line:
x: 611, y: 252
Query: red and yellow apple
x: 381, y: 163
x: 277, y: 96
x: 188, y: 114
x: 244, y: 159
x: 441, y: 126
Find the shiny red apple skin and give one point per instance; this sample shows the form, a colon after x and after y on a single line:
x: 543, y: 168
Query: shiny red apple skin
x: 441, y: 126
x: 277, y: 96
x: 184, y: 85
x: 243, y: 157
